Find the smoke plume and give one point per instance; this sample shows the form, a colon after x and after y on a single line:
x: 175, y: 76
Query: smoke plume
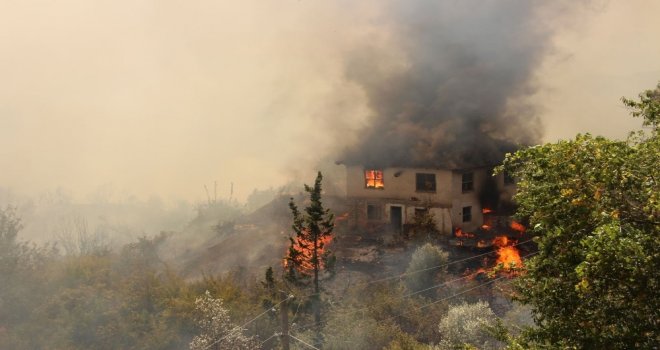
x: 452, y: 92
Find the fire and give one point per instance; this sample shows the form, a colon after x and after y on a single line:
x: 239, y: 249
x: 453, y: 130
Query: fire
x: 517, y: 226
x: 460, y: 234
x: 486, y: 211
x: 482, y: 244
x: 507, y: 253
x: 373, y: 179
x: 305, y: 250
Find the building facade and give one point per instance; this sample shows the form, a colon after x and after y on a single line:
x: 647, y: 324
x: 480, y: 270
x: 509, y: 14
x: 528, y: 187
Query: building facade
x: 457, y: 198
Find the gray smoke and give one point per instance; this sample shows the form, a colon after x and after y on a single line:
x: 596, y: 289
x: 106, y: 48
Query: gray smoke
x: 453, y: 92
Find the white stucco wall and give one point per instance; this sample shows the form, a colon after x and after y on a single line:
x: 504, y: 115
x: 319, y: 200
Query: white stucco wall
x: 401, y: 186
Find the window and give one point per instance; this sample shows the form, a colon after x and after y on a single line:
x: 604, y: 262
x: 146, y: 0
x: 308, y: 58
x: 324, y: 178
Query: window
x: 467, y: 182
x: 425, y: 183
x: 373, y: 179
x: 374, y: 212
x: 467, y: 214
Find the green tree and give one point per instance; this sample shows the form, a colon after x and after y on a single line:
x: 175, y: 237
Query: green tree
x: 218, y: 332
x: 466, y: 324
x: 594, y: 205
x: 307, y: 253
x: 424, y: 268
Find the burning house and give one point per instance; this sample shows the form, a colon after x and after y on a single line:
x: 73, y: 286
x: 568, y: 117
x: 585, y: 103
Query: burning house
x: 460, y: 200
x: 445, y: 106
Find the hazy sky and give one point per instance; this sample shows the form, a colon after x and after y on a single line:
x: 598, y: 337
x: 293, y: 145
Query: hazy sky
x: 162, y: 97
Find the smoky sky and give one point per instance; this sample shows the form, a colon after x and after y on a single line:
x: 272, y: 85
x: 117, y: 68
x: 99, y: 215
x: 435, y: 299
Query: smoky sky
x: 453, y: 99
x: 161, y: 97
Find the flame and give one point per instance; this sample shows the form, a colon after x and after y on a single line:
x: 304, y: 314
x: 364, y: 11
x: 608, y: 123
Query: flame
x: 373, y: 179
x: 306, y: 250
x: 517, y: 226
x: 486, y: 211
x: 460, y: 234
x: 507, y: 254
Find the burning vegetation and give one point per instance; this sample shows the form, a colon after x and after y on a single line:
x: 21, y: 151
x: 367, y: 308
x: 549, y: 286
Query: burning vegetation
x: 507, y: 254
x: 301, y: 254
x: 496, y: 235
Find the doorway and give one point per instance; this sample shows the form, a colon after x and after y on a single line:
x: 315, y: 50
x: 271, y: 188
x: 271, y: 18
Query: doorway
x: 396, y: 218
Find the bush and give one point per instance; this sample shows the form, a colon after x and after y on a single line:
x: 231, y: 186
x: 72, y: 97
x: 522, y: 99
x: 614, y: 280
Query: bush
x: 425, y: 266
x: 465, y: 325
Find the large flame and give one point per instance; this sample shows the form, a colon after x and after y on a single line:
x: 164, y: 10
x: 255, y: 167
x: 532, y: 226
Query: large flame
x: 507, y: 253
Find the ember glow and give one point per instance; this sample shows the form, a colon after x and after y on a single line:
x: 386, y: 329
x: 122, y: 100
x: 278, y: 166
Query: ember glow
x: 373, y: 179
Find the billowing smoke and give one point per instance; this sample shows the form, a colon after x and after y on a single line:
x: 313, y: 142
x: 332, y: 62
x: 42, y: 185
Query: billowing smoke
x: 452, y: 92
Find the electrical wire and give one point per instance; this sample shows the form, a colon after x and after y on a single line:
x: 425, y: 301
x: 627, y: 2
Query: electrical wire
x: 434, y: 302
x: 422, y: 270
x: 247, y: 323
x: 302, y: 341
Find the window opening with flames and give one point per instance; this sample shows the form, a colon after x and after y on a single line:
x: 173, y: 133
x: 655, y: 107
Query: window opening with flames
x: 373, y: 178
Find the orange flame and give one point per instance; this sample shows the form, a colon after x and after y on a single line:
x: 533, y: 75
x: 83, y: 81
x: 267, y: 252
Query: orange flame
x: 486, y: 211
x: 507, y: 254
x: 373, y: 179
x: 517, y: 226
x: 306, y: 250
x: 460, y: 234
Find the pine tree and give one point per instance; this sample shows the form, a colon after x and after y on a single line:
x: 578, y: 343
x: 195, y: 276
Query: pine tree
x: 307, y: 255
x: 313, y: 229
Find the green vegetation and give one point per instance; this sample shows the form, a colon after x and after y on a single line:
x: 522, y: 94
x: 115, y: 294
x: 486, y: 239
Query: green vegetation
x: 425, y: 269
x: 594, y: 205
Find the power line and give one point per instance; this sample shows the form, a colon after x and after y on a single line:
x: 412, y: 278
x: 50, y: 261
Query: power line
x: 414, y: 293
x: 455, y: 295
x: 367, y: 283
x: 436, y: 301
x: 422, y: 270
x: 269, y: 338
x: 246, y: 323
x: 302, y: 341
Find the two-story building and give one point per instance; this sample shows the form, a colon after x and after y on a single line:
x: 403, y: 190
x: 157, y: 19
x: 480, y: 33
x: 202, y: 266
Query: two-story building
x: 457, y: 198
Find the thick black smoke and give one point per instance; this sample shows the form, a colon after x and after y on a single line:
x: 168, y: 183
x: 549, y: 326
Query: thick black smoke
x: 453, y: 96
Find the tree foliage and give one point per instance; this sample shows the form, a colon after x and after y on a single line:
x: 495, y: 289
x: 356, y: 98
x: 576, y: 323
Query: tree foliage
x: 466, y: 324
x: 424, y: 268
x: 218, y: 332
x: 648, y: 106
x: 594, y: 205
x: 312, y: 228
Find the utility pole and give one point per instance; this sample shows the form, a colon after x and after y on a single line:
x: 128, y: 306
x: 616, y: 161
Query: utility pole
x: 284, y: 314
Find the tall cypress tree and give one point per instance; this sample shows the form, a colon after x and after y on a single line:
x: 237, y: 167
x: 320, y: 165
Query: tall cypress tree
x: 307, y: 255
